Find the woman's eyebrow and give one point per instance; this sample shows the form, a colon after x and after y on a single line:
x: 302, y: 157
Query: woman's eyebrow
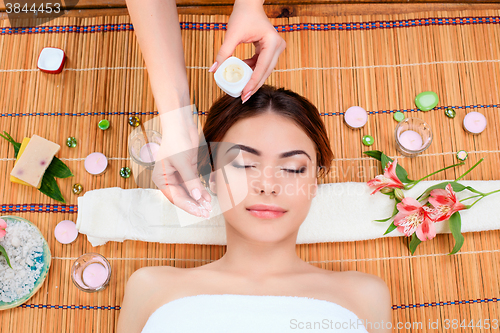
x: 256, y: 152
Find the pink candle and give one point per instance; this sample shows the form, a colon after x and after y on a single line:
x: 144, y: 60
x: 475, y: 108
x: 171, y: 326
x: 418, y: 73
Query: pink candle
x: 474, y: 122
x: 65, y: 232
x: 94, y: 275
x: 411, y: 140
x: 148, y: 152
x: 96, y: 163
x: 355, y: 117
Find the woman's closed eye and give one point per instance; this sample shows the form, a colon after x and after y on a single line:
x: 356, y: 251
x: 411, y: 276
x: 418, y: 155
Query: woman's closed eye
x: 295, y: 170
x: 242, y: 166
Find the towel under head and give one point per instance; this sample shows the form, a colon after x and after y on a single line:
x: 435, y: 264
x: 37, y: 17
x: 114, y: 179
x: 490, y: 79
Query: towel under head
x: 250, y: 313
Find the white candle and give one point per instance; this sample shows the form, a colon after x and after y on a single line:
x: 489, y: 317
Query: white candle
x: 411, y: 140
x: 355, y: 117
x: 148, y: 152
x: 96, y: 163
x: 474, y: 122
x: 94, y: 275
x: 66, y: 232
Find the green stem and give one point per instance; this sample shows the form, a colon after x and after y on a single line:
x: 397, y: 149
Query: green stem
x: 466, y: 172
x: 483, y: 196
x: 432, y: 174
x: 474, y: 196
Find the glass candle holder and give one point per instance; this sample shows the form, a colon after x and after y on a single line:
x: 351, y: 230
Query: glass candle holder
x: 91, y: 272
x: 413, y: 136
x: 143, y: 152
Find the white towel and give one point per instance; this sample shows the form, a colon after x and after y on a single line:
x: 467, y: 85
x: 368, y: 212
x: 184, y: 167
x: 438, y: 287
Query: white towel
x: 248, y: 313
x: 339, y: 212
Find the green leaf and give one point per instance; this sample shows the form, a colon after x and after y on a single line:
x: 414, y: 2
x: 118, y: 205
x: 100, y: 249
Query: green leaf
x: 455, y: 226
x: 415, y: 241
x: 391, y: 228
x: 50, y: 188
x: 58, y: 169
x: 16, y: 145
x: 376, y: 154
x: 4, y: 253
x: 384, y: 220
x: 385, y: 160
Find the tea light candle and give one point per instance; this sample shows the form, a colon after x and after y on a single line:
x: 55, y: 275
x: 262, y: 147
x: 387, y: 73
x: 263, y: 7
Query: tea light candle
x: 355, y: 117
x: 66, y: 232
x: 474, y: 122
x: 411, y: 140
x: 94, y: 275
x: 148, y: 152
x: 96, y: 163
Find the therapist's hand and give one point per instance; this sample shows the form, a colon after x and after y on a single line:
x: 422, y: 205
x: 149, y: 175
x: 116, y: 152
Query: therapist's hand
x: 249, y: 24
x: 175, y: 171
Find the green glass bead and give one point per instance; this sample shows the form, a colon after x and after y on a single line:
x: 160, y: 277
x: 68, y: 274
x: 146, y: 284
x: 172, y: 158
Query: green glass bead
x: 462, y: 155
x: 368, y: 140
x: 450, y: 113
x: 103, y: 124
x: 399, y: 116
x: 426, y: 100
x: 71, y: 142
x: 125, y: 172
x: 77, y: 188
x: 134, y: 121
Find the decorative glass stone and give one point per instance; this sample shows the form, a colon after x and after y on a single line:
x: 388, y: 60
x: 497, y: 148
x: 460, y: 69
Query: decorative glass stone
x: 450, y: 113
x: 462, y: 155
x: 103, y: 124
x: 77, y: 188
x: 399, y: 116
x: 368, y: 140
x: 134, y: 121
x: 426, y: 100
x: 71, y: 142
x: 125, y: 172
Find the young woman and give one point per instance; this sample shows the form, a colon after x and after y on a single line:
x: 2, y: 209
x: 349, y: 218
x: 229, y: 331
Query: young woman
x: 273, y: 148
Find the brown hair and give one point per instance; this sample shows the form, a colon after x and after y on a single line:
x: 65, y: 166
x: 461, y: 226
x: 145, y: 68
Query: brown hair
x: 226, y: 111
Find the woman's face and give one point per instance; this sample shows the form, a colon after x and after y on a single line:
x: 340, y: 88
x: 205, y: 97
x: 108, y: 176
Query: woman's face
x: 265, y: 177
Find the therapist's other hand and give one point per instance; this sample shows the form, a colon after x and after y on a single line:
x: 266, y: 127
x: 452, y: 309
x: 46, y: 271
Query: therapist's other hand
x: 175, y: 171
x: 249, y: 24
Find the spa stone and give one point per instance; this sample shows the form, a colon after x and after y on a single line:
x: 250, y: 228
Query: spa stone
x: 368, y: 140
x: 450, y: 113
x: 71, y: 142
x: 77, y: 188
x: 399, y: 116
x: 103, y: 124
x: 134, y: 121
x: 426, y: 100
x: 462, y: 155
x: 125, y: 172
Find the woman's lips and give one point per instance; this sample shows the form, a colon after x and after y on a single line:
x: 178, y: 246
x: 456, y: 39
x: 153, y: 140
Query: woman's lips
x: 266, y: 211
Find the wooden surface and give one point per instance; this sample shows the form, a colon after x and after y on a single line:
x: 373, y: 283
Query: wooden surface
x: 379, y: 68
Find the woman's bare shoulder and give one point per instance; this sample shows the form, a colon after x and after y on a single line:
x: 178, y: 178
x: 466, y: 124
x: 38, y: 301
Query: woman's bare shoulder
x: 372, y: 296
x: 145, y: 289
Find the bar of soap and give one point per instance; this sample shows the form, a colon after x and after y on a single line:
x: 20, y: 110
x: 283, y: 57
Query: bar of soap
x: 35, y: 159
x: 21, y: 150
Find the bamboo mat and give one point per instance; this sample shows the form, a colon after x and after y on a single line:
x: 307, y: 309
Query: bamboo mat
x: 378, y: 62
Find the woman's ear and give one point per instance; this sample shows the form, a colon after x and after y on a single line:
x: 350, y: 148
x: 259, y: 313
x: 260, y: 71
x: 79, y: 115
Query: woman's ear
x: 314, y: 189
x: 211, y: 183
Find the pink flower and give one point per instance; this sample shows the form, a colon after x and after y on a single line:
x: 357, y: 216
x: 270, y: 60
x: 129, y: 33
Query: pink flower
x: 3, y: 225
x: 388, y: 179
x: 445, y: 203
x: 414, y: 217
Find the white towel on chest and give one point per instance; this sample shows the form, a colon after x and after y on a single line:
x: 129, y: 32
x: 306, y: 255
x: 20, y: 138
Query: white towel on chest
x: 340, y: 212
x: 250, y: 314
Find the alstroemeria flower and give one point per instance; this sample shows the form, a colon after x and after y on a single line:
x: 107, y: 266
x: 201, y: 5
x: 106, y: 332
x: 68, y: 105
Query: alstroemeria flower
x: 445, y: 203
x: 414, y: 217
x: 3, y: 225
x: 388, y: 179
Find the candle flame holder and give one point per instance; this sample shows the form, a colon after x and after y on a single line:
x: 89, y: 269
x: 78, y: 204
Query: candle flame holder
x: 79, y: 267
x: 416, y: 125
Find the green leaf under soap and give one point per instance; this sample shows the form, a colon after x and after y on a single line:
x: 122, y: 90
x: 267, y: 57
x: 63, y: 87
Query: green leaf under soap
x: 415, y: 241
x: 4, y: 253
x: 58, y: 169
x: 50, y: 188
x: 16, y: 145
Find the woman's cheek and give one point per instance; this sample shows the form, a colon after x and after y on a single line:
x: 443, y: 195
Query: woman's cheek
x: 232, y: 187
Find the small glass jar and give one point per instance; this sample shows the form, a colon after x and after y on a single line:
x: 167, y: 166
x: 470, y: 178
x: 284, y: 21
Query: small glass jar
x: 91, y: 272
x: 141, y: 150
x: 413, y: 136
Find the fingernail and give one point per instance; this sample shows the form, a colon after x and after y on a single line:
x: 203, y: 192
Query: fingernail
x: 213, y: 67
x: 196, y: 194
x: 246, y: 97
